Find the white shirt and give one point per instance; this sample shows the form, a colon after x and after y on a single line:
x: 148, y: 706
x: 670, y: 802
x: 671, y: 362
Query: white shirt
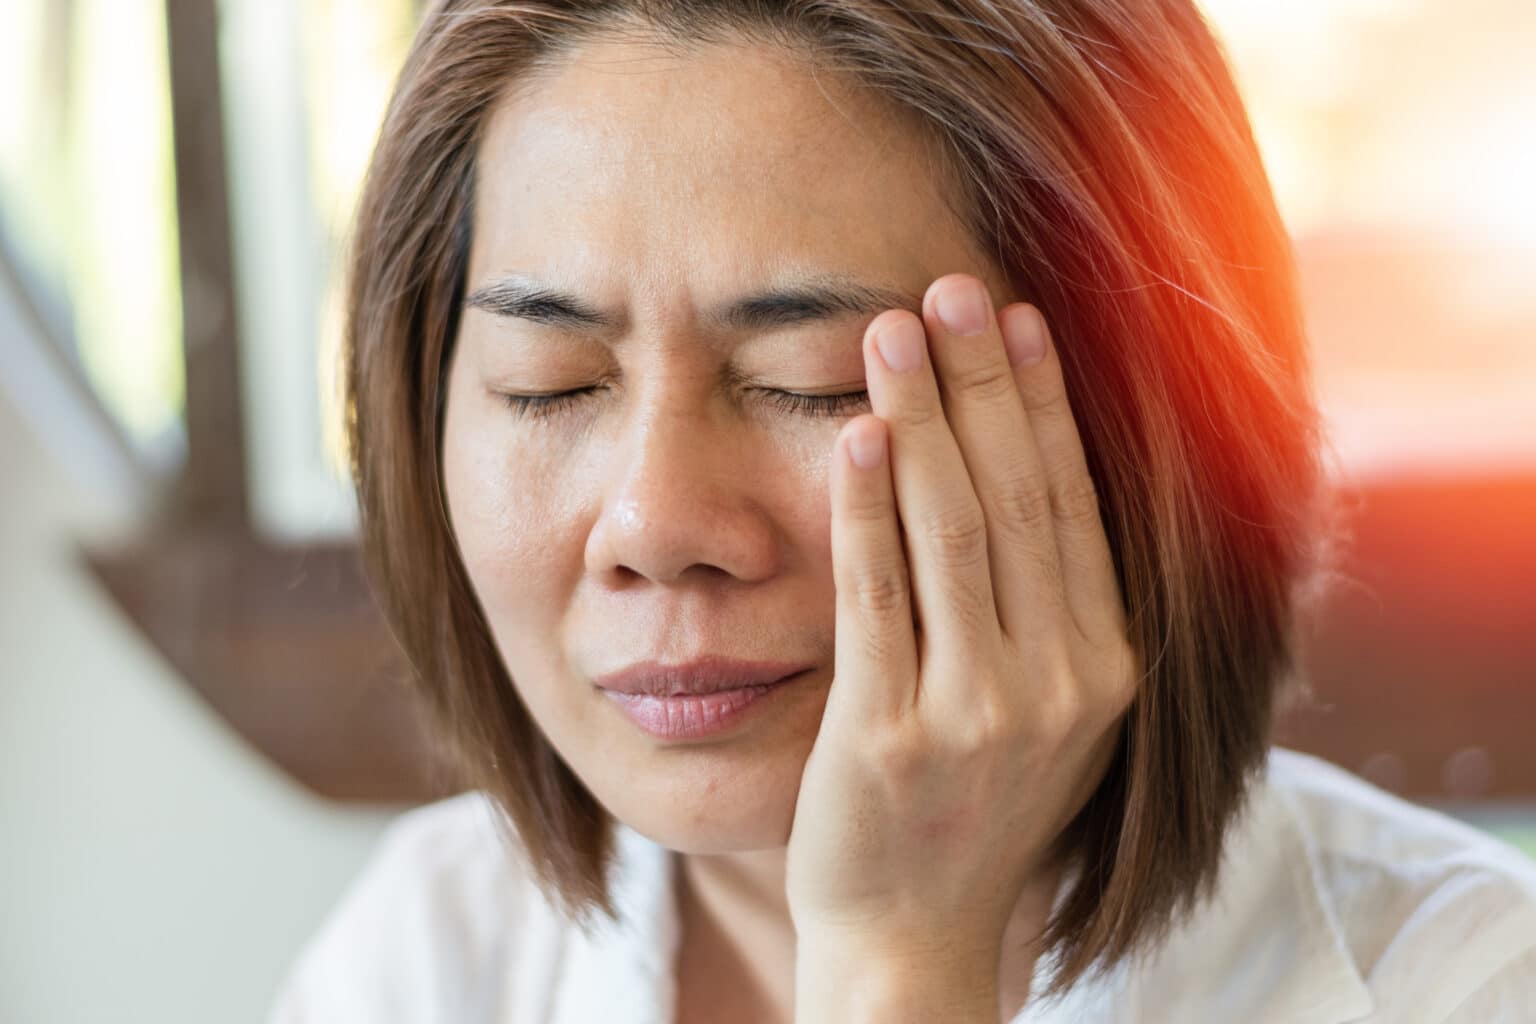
x: 1336, y: 902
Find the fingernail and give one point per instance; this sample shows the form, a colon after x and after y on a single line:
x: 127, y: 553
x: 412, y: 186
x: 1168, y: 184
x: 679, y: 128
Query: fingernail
x: 962, y: 306
x: 1023, y: 337
x: 901, y: 344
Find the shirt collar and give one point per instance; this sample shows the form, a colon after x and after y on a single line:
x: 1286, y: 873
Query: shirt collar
x: 1267, y: 946
x: 624, y: 970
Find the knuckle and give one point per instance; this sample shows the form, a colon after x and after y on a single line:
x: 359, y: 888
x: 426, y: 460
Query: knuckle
x: 996, y: 721
x: 894, y: 754
x: 989, y: 381
x: 1023, y: 504
x: 1057, y: 719
x: 881, y: 587
x: 957, y: 537
x: 1077, y: 501
x: 1043, y: 398
x: 981, y: 732
x: 1061, y: 713
x: 920, y: 413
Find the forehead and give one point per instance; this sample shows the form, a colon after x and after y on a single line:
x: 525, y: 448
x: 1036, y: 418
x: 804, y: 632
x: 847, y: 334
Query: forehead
x: 727, y: 161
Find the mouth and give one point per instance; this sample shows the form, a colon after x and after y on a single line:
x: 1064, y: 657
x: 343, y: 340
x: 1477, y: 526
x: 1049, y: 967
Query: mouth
x: 708, y: 674
x: 686, y: 716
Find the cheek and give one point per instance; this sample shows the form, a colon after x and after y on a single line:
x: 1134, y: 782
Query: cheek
x: 505, y: 506
x: 805, y: 504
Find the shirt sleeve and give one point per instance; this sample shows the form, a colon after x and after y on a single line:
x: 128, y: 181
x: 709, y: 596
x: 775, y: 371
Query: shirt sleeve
x: 1508, y: 996
x: 1467, y: 944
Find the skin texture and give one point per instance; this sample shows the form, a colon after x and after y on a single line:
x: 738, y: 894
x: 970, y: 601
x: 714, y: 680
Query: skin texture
x: 677, y: 511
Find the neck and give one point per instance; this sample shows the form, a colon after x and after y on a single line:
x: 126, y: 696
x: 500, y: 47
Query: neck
x: 737, y: 955
x: 738, y: 942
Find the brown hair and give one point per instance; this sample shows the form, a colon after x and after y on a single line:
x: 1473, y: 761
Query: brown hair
x: 1106, y: 159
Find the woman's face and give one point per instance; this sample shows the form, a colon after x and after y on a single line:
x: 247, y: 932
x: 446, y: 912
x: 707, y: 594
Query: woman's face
x: 678, y: 509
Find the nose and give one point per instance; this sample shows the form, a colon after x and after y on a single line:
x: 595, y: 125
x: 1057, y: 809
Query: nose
x: 680, y: 495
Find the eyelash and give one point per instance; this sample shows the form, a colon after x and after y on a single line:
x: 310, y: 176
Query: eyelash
x: 540, y: 406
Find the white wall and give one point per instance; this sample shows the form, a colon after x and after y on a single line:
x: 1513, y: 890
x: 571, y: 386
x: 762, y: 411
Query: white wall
x: 152, y: 866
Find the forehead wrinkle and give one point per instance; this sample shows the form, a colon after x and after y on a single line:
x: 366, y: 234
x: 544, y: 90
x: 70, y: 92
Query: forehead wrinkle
x: 798, y: 299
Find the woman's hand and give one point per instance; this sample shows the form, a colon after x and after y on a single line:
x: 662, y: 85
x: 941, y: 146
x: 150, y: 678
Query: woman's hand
x: 954, y: 749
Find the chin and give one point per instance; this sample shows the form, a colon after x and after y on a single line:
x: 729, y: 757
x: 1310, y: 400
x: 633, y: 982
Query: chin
x: 714, y: 806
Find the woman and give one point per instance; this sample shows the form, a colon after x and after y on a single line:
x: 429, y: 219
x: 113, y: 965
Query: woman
x: 809, y: 655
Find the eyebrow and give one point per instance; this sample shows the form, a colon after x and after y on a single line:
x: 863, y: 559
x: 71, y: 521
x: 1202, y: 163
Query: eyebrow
x: 802, y: 299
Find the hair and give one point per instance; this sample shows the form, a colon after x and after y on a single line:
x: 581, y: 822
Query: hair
x: 1104, y: 156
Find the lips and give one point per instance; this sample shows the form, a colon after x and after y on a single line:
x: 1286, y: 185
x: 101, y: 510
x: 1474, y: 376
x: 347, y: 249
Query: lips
x: 707, y: 674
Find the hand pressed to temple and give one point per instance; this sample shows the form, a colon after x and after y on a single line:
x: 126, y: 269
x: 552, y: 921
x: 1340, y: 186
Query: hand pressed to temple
x: 981, y: 652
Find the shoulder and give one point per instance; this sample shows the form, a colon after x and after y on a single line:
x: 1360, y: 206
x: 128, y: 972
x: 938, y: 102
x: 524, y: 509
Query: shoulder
x: 1432, y: 911
x: 1374, y: 846
x: 419, y: 933
x: 1338, y: 902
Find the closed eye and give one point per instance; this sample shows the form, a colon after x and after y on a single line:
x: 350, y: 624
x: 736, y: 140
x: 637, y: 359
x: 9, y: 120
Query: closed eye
x: 542, y: 406
x: 818, y: 405
x: 539, y: 406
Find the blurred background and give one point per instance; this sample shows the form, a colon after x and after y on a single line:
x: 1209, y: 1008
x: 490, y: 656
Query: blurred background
x: 201, y: 736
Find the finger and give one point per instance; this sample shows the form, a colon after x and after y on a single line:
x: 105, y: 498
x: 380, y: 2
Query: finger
x: 1088, y: 567
x: 945, y: 531
x: 985, y: 412
x: 875, y: 658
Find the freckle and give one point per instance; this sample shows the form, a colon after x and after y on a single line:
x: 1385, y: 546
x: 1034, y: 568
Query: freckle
x: 937, y: 827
